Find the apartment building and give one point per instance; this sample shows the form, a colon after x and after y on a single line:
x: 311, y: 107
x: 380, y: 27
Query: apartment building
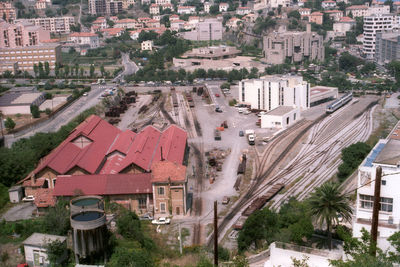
x: 207, y: 6
x: 21, y: 34
x: 387, y: 47
x: 372, y: 25
x: 223, y: 7
x: 85, y: 38
x: 53, y: 25
x: 105, y: 7
x: 27, y: 56
x: 365, y: 10
x: 147, y: 45
x: 276, y: 3
x: 41, y: 4
x: 334, y: 15
x: 273, y: 91
x: 385, y: 154
x: 154, y: 9
x: 293, y: 46
x: 163, y: 2
x: 328, y: 4
x: 209, y: 29
x: 316, y: 17
x: 344, y: 25
x: 186, y: 10
x: 7, y: 11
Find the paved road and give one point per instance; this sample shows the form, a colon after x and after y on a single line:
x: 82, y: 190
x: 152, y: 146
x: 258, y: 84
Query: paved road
x: 63, y: 117
x: 21, y: 211
x: 130, y: 67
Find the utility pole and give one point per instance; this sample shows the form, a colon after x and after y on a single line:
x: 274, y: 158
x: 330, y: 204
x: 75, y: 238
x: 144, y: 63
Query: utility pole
x: 215, y: 235
x: 375, y: 212
x: 180, y: 238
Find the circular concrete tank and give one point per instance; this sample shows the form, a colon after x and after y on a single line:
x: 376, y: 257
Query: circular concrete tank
x: 83, y: 203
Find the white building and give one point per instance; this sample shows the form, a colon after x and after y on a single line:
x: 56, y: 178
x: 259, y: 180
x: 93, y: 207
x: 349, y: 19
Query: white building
x: 53, y: 25
x: 186, y: 10
x: 223, y: 7
x: 372, y: 25
x: 344, y: 25
x: 147, y: 45
x: 207, y: 6
x: 163, y: 2
x: 35, y: 248
x: 386, y: 154
x: 277, y: 3
x: 328, y: 4
x: 280, y: 117
x: 243, y: 10
x: 154, y: 9
x: 270, y: 92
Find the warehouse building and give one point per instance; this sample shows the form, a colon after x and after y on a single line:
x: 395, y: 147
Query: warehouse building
x: 280, y: 117
x: 19, y: 100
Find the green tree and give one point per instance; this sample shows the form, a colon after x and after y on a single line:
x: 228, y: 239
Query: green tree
x: 294, y: 14
x: 327, y: 203
x: 66, y: 70
x: 41, y: 70
x: 35, y: 111
x: 9, y: 124
x: 57, y: 70
x: 102, y: 71
x: 47, y: 68
x: 130, y: 257
x: 35, y: 70
x: 91, y: 71
x: 56, y: 220
x: 56, y: 253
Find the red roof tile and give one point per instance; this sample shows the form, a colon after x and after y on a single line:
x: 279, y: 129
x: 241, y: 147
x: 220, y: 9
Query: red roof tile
x: 166, y: 171
x: 83, y: 34
x: 103, y: 184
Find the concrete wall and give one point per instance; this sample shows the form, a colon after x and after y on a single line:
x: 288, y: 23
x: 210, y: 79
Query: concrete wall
x: 280, y: 122
x: 41, y: 256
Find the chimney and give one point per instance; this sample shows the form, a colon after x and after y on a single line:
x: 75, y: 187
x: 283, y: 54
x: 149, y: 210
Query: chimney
x: 308, y: 28
x: 162, y: 159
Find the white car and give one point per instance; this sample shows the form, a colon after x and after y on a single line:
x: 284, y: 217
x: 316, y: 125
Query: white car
x: 261, y: 113
x: 28, y: 199
x: 161, y: 220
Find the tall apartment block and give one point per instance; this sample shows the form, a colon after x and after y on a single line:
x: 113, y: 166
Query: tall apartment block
x: 293, y: 46
x: 7, y: 11
x: 53, y: 25
x: 209, y: 29
x: 372, y: 25
x: 387, y: 47
x: 21, y: 34
x: 105, y: 7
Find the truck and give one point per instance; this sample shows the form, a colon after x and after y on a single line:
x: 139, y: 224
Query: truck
x: 217, y: 135
x: 251, y: 136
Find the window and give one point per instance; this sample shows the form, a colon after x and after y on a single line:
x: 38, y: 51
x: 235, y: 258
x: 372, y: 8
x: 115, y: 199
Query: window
x: 161, y: 190
x: 386, y: 204
x: 383, y: 182
x: 142, y: 203
x: 366, y: 202
x: 162, y: 207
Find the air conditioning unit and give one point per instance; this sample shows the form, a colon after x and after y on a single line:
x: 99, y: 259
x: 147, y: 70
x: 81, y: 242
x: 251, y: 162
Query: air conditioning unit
x: 390, y: 220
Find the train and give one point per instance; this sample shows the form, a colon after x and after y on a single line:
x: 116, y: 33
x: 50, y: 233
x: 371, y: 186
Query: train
x: 339, y: 103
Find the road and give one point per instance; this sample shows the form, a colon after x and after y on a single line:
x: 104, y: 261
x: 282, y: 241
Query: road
x: 63, y: 117
x: 130, y: 67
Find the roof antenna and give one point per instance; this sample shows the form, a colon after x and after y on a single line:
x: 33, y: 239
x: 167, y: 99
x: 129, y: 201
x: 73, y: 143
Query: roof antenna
x: 162, y: 159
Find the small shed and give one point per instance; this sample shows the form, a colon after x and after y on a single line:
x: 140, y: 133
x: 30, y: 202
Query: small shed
x: 35, y: 248
x: 15, y: 194
x: 280, y: 117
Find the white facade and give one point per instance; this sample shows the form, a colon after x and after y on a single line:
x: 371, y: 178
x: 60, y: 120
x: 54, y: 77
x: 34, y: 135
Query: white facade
x: 53, y: 25
x: 163, y: 2
x: 270, y: 92
x: 186, y: 9
x: 386, y: 154
x: 207, y: 6
x: 277, y: 3
x: 372, y: 25
x: 280, y: 118
x: 154, y: 9
x: 85, y: 38
x: 223, y: 7
x: 147, y: 45
x: 15, y: 194
x: 328, y: 4
x: 340, y: 28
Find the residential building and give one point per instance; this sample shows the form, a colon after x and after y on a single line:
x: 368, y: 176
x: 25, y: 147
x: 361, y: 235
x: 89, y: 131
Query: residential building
x: 21, y: 34
x: 128, y: 24
x: 281, y: 117
x: 167, y: 6
x: 85, y: 38
x: 293, y: 46
x: 153, y: 23
x: 386, y: 155
x: 387, y: 47
x: 207, y: 6
x: 276, y: 3
x: 173, y: 17
x: 112, y: 32
x: 378, y: 9
x: 154, y: 9
x: 300, y: 3
x: 147, y: 45
x: 35, y: 248
x: 9, y: 66
x: 304, y: 12
x: 251, y: 17
x: 209, y: 29
x: 316, y: 17
x: 273, y: 91
x: 105, y: 7
x: 328, y: 4
x: 7, y: 11
x: 213, y: 52
x: 127, y: 3
x: 135, y: 34
x: 186, y: 10
x: 223, y: 7
x: 41, y: 4
x: 15, y: 194
x: 53, y: 25
x: 163, y: 2
x: 27, y: 56
x: 99, y: 24
x: 177, y: 25
x: 344, y: 25
x: 233, y: 23
x: 334, y: 15
x: 96, y: 147
x: 19, y: 102
x: 372, y: 25
x: 243, y: 10
x: 357, y: 10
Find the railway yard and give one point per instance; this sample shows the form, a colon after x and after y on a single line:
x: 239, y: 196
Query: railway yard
x: 291, y: 164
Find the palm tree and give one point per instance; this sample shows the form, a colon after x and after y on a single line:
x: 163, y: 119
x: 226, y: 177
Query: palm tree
x: 327, y: 204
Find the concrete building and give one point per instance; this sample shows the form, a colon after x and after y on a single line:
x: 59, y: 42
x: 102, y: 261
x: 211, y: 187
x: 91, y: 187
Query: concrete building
x: 372, y: 25
x: 20, y: 100
x: 276, y: 3
x: 105, y: 7
x: 386, y: 155
x: 293, y: 46
x: 128, y: 24
x: 85, y: 38
x: 7, y: 11
x: 304, y: 12
x: 320, y: 94
x: 147, y: 45
x: 357, y: 10
x: 15, y: 194
x: 163, y: 2
x: 281, y: 117
x: 53, y: 25
x: 27, y: 56
x: 243, y: 10
x: 270, y: 92
x: 316, y: 17
x: 36, y: 251
x: 344, y: 25
x: 154, y: 9
x: 387, y: 47
x: 207, y: 6
x: 21, y: 34
x: 186, y: 10
x: 209, y: 29
x: 223, y: 7
x: 328, y: 4
x: 9, y: 66
x: 41, y: 4
x: 334, y: 15
x: 213, y: 52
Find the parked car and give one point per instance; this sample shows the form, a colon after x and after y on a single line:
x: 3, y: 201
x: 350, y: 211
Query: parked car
x: 146, y: 217
x: 226, y: 200
x: 161, y: 220
x: 218, y: 109
x: 241, y: 133
x: 261, y: 113
x: 85, y: 94
x: 28, y: 199
x: 217, y: 95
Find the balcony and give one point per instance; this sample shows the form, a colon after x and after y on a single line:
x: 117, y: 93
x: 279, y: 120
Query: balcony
x: 382, y: 223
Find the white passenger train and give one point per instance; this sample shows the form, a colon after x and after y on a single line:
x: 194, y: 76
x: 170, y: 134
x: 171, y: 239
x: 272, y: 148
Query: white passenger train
x: 339, y: 103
